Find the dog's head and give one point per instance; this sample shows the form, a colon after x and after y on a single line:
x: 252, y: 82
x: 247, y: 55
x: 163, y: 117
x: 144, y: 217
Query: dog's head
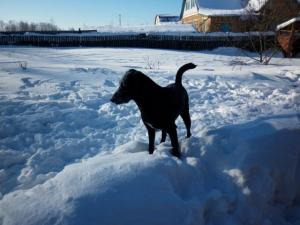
x: 125, y: 91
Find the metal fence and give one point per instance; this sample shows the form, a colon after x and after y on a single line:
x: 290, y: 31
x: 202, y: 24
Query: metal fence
x: 178, y: 42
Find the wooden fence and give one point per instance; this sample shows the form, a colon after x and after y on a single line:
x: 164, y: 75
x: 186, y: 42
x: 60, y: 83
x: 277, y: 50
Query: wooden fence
x: 184, y: 42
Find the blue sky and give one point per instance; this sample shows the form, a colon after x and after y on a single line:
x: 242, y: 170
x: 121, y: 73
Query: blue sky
x: 76, y: 13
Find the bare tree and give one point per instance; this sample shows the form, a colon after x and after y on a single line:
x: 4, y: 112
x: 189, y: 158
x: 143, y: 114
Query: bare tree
x: 13, y: 26
x: 2, y: 25
x: 47, y: 27
x: 262, y: 18
x: 32, y: 27
x: 23, y: 26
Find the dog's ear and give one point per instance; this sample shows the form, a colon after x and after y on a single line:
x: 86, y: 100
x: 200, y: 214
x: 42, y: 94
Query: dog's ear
x: 130, y: 77
x: 131, y: 71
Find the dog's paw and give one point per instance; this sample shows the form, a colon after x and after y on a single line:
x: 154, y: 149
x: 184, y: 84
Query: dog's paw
x: 151, y: 151
x: 176, y: 153
x: 188, y: 136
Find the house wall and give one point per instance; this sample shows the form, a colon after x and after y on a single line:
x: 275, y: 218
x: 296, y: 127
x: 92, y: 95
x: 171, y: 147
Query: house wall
x: 157, y: 21
x: 282, y: 11
x: 288, y: 39
x: 205, y: 23
x: 200, y: 22
x: 227, y: 24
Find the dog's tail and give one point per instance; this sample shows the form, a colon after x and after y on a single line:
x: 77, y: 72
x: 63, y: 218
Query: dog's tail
x: 181, y: 71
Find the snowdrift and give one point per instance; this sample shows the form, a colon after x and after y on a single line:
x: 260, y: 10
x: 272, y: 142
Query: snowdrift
x: 63, y: 158
x: 239, y: 174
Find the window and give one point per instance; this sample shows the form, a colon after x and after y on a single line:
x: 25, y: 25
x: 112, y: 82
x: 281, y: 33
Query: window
x: 225, y: 27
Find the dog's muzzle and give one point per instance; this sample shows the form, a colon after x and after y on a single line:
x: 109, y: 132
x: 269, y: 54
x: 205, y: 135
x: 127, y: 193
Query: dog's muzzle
x: 114, y: 100
x: 120, y: 97
x: 117, y: 100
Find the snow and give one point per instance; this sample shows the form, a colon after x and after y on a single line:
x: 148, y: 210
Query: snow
x: 285, y: 24
x: 220, y: 4
x: 69, y: 156
x: 226, y: 7
x: 256, y: 5
x: 165, y: 19
x: 231, y: 4
x: 221, y: 12
x: 170, y: 28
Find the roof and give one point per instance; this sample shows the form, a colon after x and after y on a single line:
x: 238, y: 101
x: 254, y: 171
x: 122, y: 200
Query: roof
x: 220, y: 4
x: 226, y: 7
x: 168, y: 18
x: 289, y: 22
x: 256, y: 4
x: 168, y: 15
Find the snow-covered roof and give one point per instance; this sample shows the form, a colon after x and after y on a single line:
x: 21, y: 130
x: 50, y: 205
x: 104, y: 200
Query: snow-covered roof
x: 256, y: 5
x: 169, y: 28
x: 168, y: 18
x: 285, y: 24
x: 223, y: 7
x: 220, y: 4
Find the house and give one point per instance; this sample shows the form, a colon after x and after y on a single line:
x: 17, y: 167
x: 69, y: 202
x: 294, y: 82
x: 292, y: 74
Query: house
x: 163, y: 19
x: 288, y: 37
x: 228, y: 15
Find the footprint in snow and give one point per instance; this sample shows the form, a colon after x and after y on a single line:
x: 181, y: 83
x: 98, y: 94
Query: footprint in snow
x: 93, y: 70
x: 28, y: 83
x: 109, y: 83
x: 258, y: 76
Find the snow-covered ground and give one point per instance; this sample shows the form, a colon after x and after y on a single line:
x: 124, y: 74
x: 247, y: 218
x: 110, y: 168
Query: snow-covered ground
x: 69, y: 156
x: 168, y: 28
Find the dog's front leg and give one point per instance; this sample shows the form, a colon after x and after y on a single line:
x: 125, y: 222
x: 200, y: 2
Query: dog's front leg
x: 174, y: 141
x: 151, y: 136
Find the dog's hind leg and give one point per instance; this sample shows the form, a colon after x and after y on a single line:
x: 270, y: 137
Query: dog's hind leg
x: 185, y: 115
x: 174, y: 140
x: 151, y: 136
x: 163, y: 136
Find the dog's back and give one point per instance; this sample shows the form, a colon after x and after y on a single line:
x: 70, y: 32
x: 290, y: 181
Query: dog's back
x: 160, y: 106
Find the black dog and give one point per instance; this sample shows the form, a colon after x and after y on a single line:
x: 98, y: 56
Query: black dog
x: 159, y: 106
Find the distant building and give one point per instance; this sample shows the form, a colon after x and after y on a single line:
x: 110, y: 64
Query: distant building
x: 163, y: 19
x: 225, y: 15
